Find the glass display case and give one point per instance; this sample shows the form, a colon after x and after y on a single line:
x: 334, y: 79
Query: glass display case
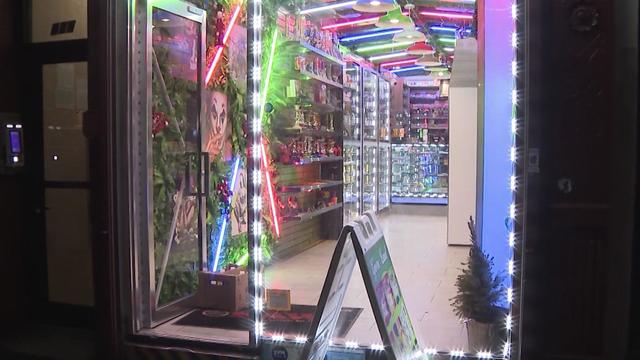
x: 352, y: 140
x: 419, y: 173
x: 369, y: 105
x: 384, y: 175
x: 369, y: 176
x: 384, y: 150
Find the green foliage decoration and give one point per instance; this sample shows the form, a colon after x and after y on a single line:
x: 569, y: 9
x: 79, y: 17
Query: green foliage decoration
x: 478, y: 289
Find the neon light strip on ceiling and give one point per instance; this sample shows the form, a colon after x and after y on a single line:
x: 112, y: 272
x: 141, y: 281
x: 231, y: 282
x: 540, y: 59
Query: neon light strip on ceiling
x: 410, y: 68
x: 328, y: 7
x: 388, y: 56
x: 384, y: 46
x: 220, y: 48
x: 447, y: 40
x: 444, y: 28
x: 369, y: 35
x: 364, y: 21
x: 449, y: 15
x: 399, y: 62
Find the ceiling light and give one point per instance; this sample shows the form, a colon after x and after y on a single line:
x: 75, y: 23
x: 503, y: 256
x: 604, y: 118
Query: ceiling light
x: 363, y: 36
x: 398, y: 62
x: 410, y: 35
x: 335, y: 5
x: 421, y: 48
x: 447, y: 40
x: 395, y: 19
x: 444, y: 28
x: 448, y: 15
x: 374, y: 6
x: 384, y: 46
x: 360, y: 21
x: 388, y: 56
x: 410, y: 68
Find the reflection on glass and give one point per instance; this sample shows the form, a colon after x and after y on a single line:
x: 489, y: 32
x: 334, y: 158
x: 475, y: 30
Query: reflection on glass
x: 384, y: 110
x: 369, y: 177
x: 174, y: 130
x: 352, y: 137
x: 384, y: 176
x: 370, y: 105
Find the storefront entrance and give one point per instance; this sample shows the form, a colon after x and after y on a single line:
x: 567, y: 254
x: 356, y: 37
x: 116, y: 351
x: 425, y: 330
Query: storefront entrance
x: 259, y: 130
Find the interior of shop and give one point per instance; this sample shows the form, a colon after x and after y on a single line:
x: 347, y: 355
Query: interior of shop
x: 367, y: 106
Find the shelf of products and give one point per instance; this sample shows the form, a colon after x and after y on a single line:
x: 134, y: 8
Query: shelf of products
x: 307, y: 129
x: 308, y: 187
x: 419, y: 173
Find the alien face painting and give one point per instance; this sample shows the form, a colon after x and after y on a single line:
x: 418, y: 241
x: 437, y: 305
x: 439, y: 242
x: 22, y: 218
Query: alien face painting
x: 216, y: 127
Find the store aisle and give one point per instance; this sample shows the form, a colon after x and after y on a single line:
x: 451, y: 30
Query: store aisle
x: 425, y: 265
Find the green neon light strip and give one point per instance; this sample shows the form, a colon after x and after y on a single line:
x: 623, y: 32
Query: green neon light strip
x: 267, y: 79
x: 384, y: 46
x: 447, y: 40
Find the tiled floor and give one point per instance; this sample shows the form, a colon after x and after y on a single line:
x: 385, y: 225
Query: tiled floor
x: 426, y: 269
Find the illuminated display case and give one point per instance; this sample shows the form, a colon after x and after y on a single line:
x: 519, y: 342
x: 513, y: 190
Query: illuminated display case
x: 370, y: 176
x: 419, y: 173
x: 384, y: 145
x: 352, y: 141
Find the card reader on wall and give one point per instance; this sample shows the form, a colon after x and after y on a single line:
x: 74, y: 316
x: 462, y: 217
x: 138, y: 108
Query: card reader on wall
x: 12, y: 143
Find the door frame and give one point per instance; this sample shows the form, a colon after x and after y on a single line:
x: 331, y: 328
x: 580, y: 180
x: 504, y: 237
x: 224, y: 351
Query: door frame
x: 35, y: 251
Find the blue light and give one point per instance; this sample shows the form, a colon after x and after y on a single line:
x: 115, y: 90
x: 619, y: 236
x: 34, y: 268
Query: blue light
x: 225, y: 220
x: 370, y: 35
x: 417, y: 67
x: 444, y: 28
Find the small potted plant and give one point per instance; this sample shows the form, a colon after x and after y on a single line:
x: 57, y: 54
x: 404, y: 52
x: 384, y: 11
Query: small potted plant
x: 477, y: 300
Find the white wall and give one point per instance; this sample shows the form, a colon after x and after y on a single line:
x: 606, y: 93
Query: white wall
x: 45, y: 13
x: 463, y: 141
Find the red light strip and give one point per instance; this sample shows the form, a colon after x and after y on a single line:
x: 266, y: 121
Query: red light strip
x: 399, y: 62
x: 270, y: 187
x: 218, y: 55
x: 449, y: 15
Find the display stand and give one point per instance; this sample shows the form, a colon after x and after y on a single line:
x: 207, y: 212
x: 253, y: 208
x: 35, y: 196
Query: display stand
x: 370, y: 251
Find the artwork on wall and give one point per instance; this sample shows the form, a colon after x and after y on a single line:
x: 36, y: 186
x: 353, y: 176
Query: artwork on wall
x: 239, y: 204
x: 216, y: 127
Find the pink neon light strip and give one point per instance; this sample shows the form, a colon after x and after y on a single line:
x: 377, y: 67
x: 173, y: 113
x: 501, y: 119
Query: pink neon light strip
x: 399, y: 62
x: 218, y: 55
x: 352, y: 22
x: 271, y: 199
x: 366, y: 21
x: 449, y: 15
